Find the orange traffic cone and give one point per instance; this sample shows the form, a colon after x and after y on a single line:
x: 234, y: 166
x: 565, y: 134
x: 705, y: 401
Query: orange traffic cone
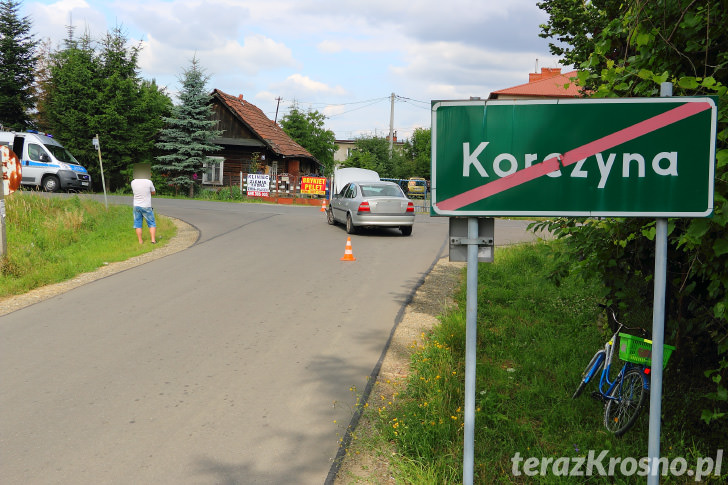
x: 348, y: 255
x: 323, y: 206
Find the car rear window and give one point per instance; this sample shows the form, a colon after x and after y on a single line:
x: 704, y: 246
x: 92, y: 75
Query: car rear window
x: 381, y: 191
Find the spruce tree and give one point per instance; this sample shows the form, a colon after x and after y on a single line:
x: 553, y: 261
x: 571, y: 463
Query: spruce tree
x: 188, y: 133
x: 17, y: 59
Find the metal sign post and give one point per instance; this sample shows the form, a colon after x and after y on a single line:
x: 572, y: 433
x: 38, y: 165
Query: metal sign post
x: 476, y: 234
x: 471, y: 340
x: 658, y: 338
x: 97, y: 145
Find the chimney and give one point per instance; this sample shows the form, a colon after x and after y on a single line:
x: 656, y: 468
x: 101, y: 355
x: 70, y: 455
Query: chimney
x: 240, y: 97
x: 546, y: 72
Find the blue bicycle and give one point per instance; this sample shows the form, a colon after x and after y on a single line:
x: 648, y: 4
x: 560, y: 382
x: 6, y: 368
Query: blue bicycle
x: 626, y: 394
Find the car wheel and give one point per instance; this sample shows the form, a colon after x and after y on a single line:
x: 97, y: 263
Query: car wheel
x: 51, y: 184
x: 350, y: 228
x: 406, y: 230
x: 330, y: 216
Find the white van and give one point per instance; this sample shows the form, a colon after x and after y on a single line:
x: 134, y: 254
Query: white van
x: 45, y: 162
x: 343, y: 176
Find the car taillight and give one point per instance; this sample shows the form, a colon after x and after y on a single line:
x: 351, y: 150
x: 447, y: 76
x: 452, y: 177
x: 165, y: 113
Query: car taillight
x: 410, y: 207
x: 364, y: 207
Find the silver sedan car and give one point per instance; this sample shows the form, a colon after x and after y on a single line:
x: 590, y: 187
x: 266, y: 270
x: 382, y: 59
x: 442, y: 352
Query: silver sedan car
x: 380, y: 204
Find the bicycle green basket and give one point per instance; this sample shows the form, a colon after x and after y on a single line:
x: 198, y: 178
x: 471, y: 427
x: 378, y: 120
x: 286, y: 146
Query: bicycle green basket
x: 639, y: 350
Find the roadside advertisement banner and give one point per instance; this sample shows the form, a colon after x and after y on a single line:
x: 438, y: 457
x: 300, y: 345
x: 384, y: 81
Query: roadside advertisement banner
x: 313, y: 185
x: 258, y: 185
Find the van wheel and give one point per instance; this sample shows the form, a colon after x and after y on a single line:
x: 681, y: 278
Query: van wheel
x: 51, y: 183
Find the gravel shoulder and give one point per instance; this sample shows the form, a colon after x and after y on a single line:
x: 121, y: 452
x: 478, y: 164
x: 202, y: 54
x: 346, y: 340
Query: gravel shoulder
x: 186, y: 236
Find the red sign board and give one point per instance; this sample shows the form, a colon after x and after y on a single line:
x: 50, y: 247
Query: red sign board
x: 12, y: 171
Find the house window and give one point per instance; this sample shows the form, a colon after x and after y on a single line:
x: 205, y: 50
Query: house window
x: 212, y: 171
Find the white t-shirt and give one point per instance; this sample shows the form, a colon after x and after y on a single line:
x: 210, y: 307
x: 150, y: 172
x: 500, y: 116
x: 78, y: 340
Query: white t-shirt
x: 143, y: 190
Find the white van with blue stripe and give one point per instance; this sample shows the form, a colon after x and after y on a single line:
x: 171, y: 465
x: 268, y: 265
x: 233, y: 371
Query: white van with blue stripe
x: 46, y: 163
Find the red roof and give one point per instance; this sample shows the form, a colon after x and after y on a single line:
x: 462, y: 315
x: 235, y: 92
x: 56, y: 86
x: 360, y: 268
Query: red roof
x: 550, y: 83
x: 265, y: 128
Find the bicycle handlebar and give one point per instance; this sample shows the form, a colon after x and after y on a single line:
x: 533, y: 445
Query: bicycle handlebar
x: 611, y: 313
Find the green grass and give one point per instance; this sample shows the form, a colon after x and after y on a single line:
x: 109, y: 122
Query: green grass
x: 534, y: 339
x: 52, y: 239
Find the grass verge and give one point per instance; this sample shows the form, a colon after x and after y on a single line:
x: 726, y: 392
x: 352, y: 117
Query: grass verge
x: 535, y: 336
x: 52, y: 239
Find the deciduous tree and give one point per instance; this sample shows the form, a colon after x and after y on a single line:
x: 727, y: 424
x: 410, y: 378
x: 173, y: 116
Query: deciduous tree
x: 627, y: 49
x: 308, y: 130
x: 418, y: 149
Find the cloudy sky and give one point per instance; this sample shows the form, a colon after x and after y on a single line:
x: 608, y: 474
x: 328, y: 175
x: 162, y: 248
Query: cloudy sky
x: 343, y: 58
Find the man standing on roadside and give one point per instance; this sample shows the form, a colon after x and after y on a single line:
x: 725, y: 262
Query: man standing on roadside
x: 143, y: 191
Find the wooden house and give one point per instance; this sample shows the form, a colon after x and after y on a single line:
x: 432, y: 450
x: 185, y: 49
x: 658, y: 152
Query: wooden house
x: 252, y: 143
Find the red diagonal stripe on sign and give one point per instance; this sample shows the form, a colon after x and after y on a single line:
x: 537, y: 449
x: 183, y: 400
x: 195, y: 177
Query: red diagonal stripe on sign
x: 597, y: 146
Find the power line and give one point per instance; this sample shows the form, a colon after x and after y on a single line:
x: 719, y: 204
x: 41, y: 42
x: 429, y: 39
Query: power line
x: 356, y: 109
x: 327, y: 105
x: 410, y: 101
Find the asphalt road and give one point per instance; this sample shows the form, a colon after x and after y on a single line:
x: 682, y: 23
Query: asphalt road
x: 230, y: 362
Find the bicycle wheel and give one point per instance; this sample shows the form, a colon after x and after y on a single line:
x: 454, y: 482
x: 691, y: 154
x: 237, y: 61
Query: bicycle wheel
x: 596, y: 362
x: 626, y: 401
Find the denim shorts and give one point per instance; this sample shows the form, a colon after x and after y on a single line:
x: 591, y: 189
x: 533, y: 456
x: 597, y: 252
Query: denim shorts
x: 147, y: 213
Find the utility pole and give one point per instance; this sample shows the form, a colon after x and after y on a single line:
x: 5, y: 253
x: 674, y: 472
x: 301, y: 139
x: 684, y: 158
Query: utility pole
x: 277, y: 105
x: 391, y: 126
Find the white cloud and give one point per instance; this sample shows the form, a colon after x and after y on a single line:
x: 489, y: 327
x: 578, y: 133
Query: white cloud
x: 299, y: 85
x: 324, y: 52
x: 330, y: 46
x: 51, y: 21
x: 189, y: 24
x: 256, y: 54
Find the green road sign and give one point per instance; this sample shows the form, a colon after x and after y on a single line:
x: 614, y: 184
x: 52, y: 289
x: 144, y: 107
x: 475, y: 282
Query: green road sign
x: 577, y: 157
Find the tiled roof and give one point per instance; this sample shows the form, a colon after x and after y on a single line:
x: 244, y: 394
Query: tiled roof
x: 546, y: 87
x: 267, y: 130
